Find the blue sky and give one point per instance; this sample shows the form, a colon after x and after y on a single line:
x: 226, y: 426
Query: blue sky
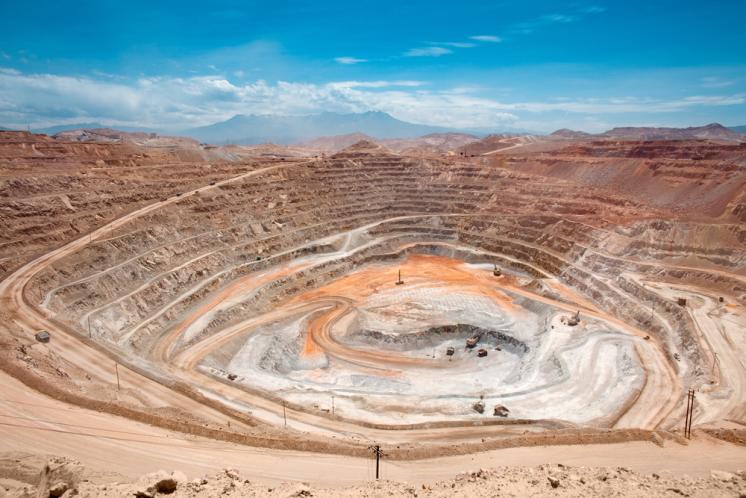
x: 534, y: 65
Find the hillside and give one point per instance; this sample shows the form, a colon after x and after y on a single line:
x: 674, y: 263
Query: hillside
x: 713, y: 131
x: 571, y: 134
x: 335, y: 142
x: 110, y: 135
x: 433, y: 143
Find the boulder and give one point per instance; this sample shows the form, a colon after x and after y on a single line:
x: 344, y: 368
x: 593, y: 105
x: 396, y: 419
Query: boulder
x: 58, y: 489
x: 721, y: 475
x: 160, y: 482
x: 58, y: 476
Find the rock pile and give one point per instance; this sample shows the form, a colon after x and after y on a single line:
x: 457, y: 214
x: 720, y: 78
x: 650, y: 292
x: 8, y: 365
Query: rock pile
x: 61, y: 478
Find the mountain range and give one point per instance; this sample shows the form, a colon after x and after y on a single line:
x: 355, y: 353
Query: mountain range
x: 712, y: 131
x: 256, y: 129
x: 53, y: 130
x: 247, y: 129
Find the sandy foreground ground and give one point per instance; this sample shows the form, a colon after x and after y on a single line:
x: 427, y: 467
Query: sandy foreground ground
x: 67, y: 478
x: 114, y: 453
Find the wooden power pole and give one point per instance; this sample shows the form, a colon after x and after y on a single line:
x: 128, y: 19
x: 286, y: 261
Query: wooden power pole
x: 689, y: 414
x: 378, y: 453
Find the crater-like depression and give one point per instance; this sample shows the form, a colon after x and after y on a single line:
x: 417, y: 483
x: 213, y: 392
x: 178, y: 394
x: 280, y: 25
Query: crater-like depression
x: 432, y: 338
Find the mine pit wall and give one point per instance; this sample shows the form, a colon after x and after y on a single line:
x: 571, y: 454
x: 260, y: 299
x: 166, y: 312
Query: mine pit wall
x: 680, y: 322
x: 434, y: 336
x: 491, y: 201
x: 52, y: 192
x: 702, y: 179
x: 717, y: 245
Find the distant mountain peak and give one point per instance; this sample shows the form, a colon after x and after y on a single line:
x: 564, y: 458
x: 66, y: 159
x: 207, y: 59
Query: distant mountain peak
x: 364, y: 144
x: 568, y: 133
x: 252, y: 129
x: 362, y: 147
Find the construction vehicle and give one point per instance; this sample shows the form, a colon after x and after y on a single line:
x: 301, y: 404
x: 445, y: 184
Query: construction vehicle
x: 478, y: 406
x: 472, y: 341
x: 482, y: 353
x: 450, y: 351
x: 500, y: 411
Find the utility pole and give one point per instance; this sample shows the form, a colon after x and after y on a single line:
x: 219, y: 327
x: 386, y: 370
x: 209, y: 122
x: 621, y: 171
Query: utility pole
x: 116, y: 368
x: 284, y: 415
x: 377, y: 451
x: 332, y: 405
x: 689, y: 414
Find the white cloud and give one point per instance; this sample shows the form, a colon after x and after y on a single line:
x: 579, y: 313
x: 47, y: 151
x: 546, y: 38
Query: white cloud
x: 486, y: 38
x: 349, y: 60
x: 455, y: 44
x: 374, y: 84
x: 427, y: 52
x: 716, y: 82
x: 528, y: 27
x: 181, y: 102
x: 593, y: 9
x: 559, y: 18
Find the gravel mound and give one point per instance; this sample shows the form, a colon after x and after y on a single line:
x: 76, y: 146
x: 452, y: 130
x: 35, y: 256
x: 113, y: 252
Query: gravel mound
x: 545, y: 480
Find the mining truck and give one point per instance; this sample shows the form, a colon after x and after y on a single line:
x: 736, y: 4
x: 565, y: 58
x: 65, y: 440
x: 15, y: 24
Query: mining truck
x: 500, y: 411
x: 472, y: 341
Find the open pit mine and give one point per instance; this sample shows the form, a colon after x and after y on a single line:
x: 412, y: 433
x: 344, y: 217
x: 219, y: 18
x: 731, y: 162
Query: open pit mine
x: 533, y: 290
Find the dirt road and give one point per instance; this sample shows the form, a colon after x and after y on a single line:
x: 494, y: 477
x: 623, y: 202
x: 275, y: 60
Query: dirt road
x: 30, y: 422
